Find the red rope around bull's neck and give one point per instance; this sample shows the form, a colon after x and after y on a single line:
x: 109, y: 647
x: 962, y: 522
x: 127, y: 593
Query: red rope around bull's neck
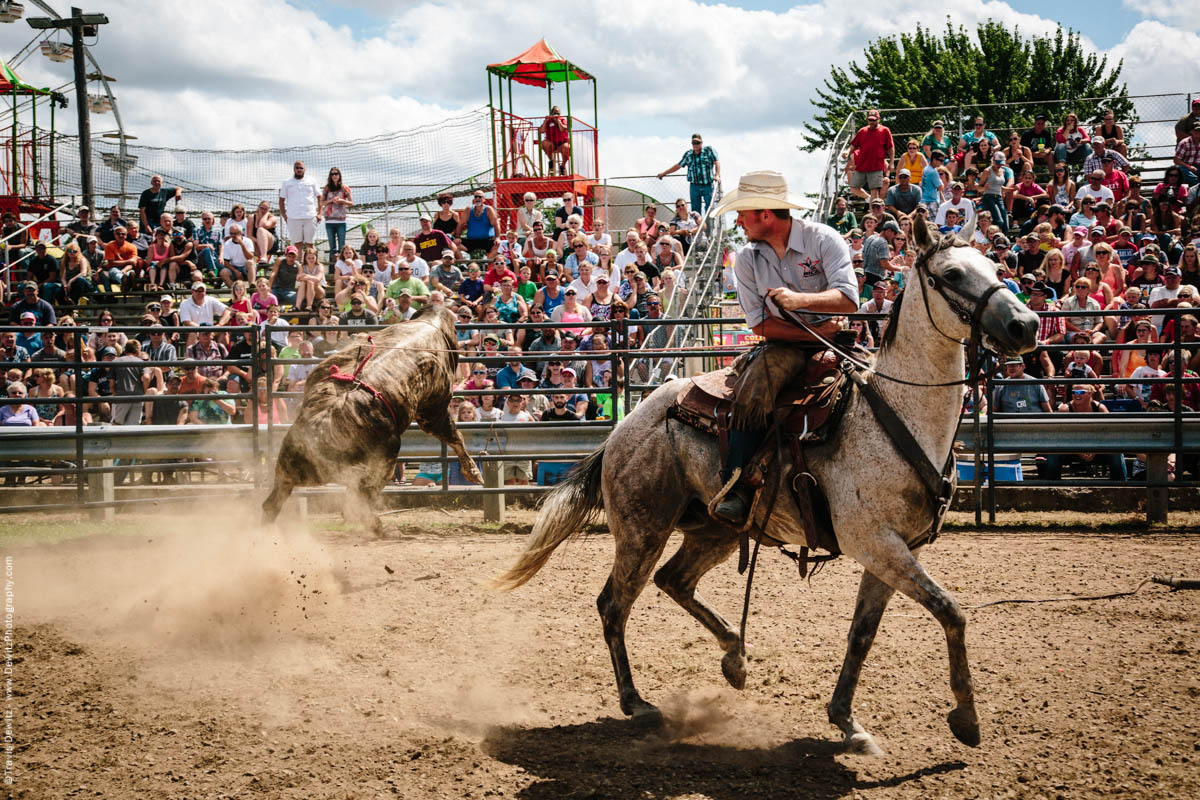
x: 353, y: 379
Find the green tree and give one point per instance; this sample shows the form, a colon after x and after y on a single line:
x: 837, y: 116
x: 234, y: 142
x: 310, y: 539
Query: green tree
x: 958, y: 70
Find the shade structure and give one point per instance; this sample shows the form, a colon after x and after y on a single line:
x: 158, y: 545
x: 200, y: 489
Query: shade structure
x: 11, y: 83
x: 539, y: 65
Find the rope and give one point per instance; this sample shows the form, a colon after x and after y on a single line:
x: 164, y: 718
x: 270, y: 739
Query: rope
x: 336, y: 374
x: 1175, y: 584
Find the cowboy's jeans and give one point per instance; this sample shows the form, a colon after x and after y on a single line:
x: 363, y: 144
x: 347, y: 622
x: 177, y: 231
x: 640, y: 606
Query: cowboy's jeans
x: 743, y: 444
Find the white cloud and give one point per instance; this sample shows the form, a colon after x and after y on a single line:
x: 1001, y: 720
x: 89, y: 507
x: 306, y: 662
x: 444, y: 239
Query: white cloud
x: 271, y: 74
x: 1179, y: 13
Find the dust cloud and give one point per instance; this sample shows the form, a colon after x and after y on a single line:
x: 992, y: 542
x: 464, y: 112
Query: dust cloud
x: 201, y: 583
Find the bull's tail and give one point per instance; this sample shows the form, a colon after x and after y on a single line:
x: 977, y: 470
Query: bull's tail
x: 566, y: 509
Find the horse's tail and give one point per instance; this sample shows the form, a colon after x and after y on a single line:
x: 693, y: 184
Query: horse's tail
x: 569, y: 506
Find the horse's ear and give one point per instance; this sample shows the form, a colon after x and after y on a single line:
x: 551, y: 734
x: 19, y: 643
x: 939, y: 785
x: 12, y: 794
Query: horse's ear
x: 922, y: 237
x: 967, y: 234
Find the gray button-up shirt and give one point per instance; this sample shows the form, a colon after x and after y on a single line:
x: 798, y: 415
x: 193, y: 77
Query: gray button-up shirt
x: 816, y: 259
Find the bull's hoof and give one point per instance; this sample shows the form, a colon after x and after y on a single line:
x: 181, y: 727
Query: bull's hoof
x: 965, y: 726
x: 472, y: 473
x: 733, y: 666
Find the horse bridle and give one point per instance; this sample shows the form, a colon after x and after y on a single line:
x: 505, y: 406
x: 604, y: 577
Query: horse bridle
x: 950, y: 294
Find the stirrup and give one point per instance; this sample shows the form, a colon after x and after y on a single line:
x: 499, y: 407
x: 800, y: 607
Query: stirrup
x: 726, y: 489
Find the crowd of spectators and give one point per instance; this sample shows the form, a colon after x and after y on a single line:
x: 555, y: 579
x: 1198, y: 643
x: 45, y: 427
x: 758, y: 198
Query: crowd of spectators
x: 558, y: 267
x: 1065, y: 218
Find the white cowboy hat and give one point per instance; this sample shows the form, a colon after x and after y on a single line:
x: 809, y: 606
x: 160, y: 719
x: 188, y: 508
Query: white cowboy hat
x: 764, y: 189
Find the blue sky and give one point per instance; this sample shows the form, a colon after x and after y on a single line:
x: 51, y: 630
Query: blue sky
x: 1104, y: 29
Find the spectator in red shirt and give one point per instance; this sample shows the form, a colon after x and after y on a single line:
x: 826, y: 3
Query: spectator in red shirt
x: 873, y: 153
x: 497, y: 272
x: 1114, y: 178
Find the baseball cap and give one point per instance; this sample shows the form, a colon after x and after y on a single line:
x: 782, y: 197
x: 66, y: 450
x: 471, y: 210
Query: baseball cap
x: 108, y: 351
x: 1000, y: 240
x: 1171, y: 270
x: 1196, y: 125
x: 937, y: 123
x: 568, y: 371
x: 956, y: 185
x: 602, y: 279
x: 404, y: 293
x: 291, y: 248
x: 1107, y: 157
x: 905, y: 173
x: 1151, y: 258
x: 424, y: 217
x: 876, y: 201
x: 29, y: 315
x: 527, y: 375
x: 860, y: 271
x: 552, y: 274
x: 491, y: 336
x: 1029, y: 276
x: 1014, y: 360
x: 1039, y: 116
x: 1080, y: 230
x: 872, y: 115
x: 166, y: 298
x: 1096, y: 229
x: 998, y: 158
x: 38, y: 244
x: 198, y: 285
x: 447, y: 254
x: 29, y: 285
x: 890, y: 225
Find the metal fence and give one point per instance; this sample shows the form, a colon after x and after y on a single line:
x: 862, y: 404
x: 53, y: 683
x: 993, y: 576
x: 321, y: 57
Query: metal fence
x: 92, y: 456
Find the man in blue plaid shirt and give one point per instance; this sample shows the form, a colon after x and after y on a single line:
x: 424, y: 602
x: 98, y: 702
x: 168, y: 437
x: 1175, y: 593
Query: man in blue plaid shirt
x: 703, y: 171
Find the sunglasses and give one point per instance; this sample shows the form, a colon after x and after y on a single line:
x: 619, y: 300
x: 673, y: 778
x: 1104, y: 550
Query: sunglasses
x: 356, y: 302
x: 1078, y: 392
x: 479, y: 372
x: 1082, y: 286
x: 154, y: 307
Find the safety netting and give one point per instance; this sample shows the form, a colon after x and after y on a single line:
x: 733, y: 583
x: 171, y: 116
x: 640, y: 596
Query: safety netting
x: 393, y: 176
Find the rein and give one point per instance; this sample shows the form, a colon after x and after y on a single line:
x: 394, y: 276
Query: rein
x: 939, y: 483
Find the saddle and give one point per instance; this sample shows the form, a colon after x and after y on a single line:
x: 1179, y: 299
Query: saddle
x: 807, y: 412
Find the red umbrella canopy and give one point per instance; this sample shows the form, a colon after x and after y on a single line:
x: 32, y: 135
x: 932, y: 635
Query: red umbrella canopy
x: 539, y: 65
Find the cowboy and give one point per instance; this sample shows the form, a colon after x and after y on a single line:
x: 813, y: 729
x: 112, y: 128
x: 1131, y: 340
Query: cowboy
x: 793, y: 272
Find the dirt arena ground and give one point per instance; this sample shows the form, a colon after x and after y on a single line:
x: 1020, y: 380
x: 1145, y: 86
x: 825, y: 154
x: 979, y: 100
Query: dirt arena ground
x: 199, y: 659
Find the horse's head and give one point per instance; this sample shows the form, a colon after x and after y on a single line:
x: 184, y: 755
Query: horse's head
x: 962, y: 292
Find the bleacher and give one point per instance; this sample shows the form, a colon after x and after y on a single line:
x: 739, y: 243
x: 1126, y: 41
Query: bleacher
x: 1148, y: 128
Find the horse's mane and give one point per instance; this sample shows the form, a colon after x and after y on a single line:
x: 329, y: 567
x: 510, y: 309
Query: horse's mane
x: 944, y: 242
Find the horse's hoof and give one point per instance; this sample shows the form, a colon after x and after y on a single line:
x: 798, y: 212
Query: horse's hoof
x: 863, y: 744
x: 733, y: 665
x: 647, y: 718
x: 965, y: 726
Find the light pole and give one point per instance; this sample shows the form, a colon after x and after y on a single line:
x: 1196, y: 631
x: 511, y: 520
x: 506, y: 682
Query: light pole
x: 80, y: 25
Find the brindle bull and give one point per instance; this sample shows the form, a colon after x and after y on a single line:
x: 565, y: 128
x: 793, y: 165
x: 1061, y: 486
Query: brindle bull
x: 359, y: 401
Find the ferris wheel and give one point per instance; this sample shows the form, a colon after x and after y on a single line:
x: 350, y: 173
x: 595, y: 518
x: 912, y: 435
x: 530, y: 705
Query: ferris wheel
x: 55, y: 44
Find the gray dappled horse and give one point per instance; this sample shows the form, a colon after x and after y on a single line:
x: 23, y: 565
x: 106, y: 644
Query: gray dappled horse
x: 357, y: 404
x: 654, y: 476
